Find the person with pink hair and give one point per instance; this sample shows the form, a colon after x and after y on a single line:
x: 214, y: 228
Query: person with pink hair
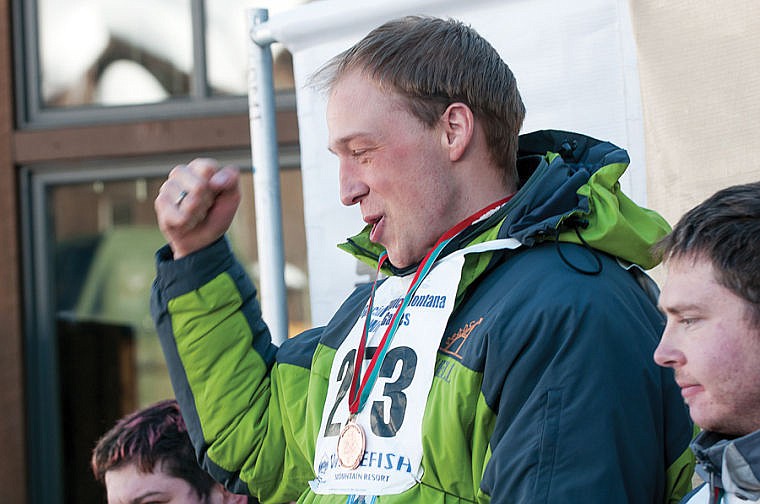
x: 147, y: 456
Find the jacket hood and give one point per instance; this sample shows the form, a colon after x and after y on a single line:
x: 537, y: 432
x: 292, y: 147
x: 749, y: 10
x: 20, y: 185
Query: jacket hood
x: 569, y: 191
x: 572, y: 193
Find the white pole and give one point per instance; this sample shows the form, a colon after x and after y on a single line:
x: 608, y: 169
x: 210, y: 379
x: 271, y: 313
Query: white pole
x: 266, y: 180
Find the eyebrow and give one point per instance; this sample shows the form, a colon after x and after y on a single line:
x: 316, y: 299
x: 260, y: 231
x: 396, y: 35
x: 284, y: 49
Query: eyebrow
x: 343, y: 141
x: 141, y: 497
x: 680, y: 308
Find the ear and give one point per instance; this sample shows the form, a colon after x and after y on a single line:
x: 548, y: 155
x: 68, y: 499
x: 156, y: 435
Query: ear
x: 236, y: 499
x: 458, y: 128
x: 228, y: 497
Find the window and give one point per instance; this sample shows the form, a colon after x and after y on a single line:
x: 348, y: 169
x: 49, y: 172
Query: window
x: 92, y: 351
x: 91, y: 61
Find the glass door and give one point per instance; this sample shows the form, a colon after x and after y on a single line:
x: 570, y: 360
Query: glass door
x: 91, y: 348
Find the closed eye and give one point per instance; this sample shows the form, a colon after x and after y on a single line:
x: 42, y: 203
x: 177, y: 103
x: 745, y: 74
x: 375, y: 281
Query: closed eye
x: 362, y: 156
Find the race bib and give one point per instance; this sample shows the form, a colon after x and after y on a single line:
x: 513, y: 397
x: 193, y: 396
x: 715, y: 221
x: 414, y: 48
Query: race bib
x: 392, y: 414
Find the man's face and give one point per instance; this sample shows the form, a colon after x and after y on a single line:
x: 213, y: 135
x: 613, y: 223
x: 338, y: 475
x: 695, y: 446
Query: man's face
x: 713, y: 348
x: 393, y: 166
x: 127, y: 485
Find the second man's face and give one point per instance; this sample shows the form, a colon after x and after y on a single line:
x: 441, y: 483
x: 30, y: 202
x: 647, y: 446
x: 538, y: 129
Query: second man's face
x: 393, y: 166
x: 713, y: 347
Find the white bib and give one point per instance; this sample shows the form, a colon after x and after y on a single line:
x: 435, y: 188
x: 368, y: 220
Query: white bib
x: 392, y: 416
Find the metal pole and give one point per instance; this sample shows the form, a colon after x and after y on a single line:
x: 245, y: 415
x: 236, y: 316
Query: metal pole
x: 266, y: 180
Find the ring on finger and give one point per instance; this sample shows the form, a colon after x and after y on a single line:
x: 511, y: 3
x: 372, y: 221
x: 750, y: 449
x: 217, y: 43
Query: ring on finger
x: 182, y: 195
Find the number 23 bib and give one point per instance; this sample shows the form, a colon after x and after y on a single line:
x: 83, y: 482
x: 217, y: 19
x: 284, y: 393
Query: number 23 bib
x: 391, y: 418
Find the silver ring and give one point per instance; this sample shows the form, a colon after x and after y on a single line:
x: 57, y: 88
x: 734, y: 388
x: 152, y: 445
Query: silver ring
x: 180, y: 198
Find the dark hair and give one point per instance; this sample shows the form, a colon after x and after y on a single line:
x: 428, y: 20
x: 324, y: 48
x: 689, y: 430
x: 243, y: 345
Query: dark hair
x: 149, y: 438
x: 432, y: 63
x: 724, y: 229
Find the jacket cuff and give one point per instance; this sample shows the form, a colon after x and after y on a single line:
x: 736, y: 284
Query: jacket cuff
x: 177, y: 277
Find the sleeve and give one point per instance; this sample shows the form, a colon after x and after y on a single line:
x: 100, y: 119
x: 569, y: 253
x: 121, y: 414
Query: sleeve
x: 583, y: 412
x: 222, y: 366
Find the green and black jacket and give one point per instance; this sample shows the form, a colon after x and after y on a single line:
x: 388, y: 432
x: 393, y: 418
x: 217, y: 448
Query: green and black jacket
x: 544, y: 391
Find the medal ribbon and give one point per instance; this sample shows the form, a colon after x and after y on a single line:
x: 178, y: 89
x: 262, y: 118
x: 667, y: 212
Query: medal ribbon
x: 358, y: 395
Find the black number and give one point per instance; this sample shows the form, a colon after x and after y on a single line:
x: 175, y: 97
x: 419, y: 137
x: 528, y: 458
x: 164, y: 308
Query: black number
x: 345, y: 374
x: 394, y: 391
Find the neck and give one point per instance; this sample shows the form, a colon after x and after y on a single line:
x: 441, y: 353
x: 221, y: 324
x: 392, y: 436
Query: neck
x: 481, y: 183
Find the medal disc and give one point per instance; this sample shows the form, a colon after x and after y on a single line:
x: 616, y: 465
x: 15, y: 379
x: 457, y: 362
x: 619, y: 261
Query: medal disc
x: 351, y: 443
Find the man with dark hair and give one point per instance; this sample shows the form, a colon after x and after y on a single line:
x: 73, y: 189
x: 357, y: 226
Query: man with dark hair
x: 148, y: 457
x: 712, y: 337
x: 504, y: 355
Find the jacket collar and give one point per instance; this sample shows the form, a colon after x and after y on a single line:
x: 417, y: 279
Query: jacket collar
x: 730, y: 463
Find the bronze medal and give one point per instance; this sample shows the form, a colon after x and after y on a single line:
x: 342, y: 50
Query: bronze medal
x: 351, y: 444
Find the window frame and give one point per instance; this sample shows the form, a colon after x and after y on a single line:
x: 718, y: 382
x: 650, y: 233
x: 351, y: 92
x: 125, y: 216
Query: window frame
x: 31, y: 114
x: 42, y: 373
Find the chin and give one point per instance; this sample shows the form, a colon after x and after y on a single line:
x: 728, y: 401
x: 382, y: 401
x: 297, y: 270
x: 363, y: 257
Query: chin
x: 713, y: 424
x: 399, y: 263
x: 403, y: 260
x: 405, y: 257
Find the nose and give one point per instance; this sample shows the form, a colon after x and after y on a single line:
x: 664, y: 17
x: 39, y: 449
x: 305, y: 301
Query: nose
x: 667, y: 353
x: 352, y: 187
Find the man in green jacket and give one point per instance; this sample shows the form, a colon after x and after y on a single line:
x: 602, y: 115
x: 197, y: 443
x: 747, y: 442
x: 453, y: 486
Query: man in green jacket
x: 504, y: 356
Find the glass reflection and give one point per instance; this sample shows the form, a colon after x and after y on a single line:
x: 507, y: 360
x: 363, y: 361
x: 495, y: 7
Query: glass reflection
x: 109, y: 357
x: 227, y: 45
x: 114, y: 52
x: 132, y: 52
